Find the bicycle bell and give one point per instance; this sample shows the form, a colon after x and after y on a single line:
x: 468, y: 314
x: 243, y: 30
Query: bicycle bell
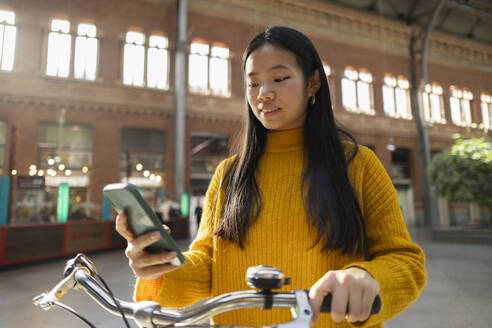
x: 265, y: 277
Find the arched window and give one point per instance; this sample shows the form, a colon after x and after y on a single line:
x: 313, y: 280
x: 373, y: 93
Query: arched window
x: 198, y: 66
x: 135, y: 64
x: 357, y: 90
x: 396, y: 96
x: 219, y: 70
x: 85, y: 60
x: 208, y: 71
x: 460, y: 106
x: 158, y: 62
x: 433, y: 103
x: 59, y: 48
x: 134, y: 58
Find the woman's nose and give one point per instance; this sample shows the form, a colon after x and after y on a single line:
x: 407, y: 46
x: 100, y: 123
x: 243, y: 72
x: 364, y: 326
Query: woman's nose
x: 266, y: 93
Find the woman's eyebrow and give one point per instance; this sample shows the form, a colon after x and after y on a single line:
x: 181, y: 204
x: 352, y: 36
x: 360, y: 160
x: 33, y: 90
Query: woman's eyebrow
x: 279, y: 66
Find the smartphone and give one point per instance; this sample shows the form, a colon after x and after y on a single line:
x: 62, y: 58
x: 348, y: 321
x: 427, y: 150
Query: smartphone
x: 141, y: 218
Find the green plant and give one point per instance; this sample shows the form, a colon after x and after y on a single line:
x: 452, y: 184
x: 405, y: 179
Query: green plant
x: 464, y: 173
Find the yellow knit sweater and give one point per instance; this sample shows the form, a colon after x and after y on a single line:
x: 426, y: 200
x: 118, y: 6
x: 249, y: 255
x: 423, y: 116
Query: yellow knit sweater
x: 282, y: 238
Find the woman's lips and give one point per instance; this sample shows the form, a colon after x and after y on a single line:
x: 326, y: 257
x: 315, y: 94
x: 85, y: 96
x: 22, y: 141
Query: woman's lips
x: 269, y: 112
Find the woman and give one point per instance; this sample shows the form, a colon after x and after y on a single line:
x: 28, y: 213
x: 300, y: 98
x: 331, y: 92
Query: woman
x: 295, y: 197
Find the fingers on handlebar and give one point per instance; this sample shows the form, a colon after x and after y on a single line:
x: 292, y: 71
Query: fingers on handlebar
x: 326, y: 305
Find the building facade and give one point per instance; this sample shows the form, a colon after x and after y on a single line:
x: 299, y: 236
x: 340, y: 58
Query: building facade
x: 87, y: 94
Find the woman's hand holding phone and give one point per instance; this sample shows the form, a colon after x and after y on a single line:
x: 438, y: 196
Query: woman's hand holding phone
x: 143, y: 264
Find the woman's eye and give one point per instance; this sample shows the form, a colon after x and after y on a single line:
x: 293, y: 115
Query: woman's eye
x: 282, y: 79
x: 253, y: 85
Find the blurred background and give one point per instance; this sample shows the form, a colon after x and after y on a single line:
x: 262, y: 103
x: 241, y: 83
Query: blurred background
x: 151, y: 92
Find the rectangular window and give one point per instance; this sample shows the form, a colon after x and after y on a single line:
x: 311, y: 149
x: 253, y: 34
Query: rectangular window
x: 364, y: 96
x: 65, y: 152
x: 157, y: 62
x: 142, y: 158
x: 454, y: 104
x: 435, y: 106
x: 134, y: 59
x: 364, y: 92
x: 403, y: 103
x: 466, y: 112
x: 389, y: 100
x: 85, y: 52
x: 65, y: 147
x: 8, y: 33
x: 198, y: 68
x: 59, y: 48
x: 349, y: 94
x: 219, y: 71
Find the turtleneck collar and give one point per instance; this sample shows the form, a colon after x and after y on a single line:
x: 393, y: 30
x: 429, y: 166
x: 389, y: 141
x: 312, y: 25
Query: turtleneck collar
x: 284, y: 141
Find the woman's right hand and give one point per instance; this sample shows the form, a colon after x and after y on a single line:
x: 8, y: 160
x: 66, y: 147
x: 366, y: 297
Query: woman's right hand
x: 143, y: 264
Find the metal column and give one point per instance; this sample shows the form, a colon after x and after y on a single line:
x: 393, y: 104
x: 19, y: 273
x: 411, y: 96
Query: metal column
x: 419, y: 45
x: 180, y: 97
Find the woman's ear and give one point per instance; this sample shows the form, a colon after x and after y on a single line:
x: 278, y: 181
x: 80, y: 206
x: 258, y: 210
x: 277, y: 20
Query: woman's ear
x: 314, y: 83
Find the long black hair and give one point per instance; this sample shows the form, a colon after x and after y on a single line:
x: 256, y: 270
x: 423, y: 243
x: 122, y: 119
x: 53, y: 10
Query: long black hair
x: 330, y: 201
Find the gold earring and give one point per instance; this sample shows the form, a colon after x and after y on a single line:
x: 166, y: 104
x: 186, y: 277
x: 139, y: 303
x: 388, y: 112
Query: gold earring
x: 313, y: 100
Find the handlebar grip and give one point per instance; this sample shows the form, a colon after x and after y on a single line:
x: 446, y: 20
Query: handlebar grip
x: 326, y: 305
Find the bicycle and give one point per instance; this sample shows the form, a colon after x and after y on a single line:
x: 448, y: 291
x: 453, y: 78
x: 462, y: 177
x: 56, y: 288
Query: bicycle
x: 81, y: 273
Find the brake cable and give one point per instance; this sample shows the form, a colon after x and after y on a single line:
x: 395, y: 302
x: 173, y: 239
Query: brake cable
x: 114, y: 300
x: 69, y: 309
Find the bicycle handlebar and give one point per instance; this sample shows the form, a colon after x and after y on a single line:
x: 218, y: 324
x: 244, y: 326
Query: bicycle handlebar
x: 150, y: 314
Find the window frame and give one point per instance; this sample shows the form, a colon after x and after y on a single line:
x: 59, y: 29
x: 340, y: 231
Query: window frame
x: 357, y: 82
x: 146, y: 53
x: 393, y: 89
x: 208, y: 90
x: 458, y: 97
x: 97, y: 55
x: 434, y: 89
x: 168, y: 61
x: 73, y: 36
x: 129, y: 172
x: 6, y: 24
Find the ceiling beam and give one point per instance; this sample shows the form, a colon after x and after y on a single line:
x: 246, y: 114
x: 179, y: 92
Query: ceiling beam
x: 469, y: 9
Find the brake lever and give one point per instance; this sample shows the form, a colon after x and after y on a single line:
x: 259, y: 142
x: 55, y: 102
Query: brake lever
x: 46, y: 300
x: 78, y: 261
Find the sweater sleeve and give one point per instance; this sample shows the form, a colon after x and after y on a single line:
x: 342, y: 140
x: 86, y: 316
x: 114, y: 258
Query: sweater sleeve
x: 192, y: 281
x: 393, y: 260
